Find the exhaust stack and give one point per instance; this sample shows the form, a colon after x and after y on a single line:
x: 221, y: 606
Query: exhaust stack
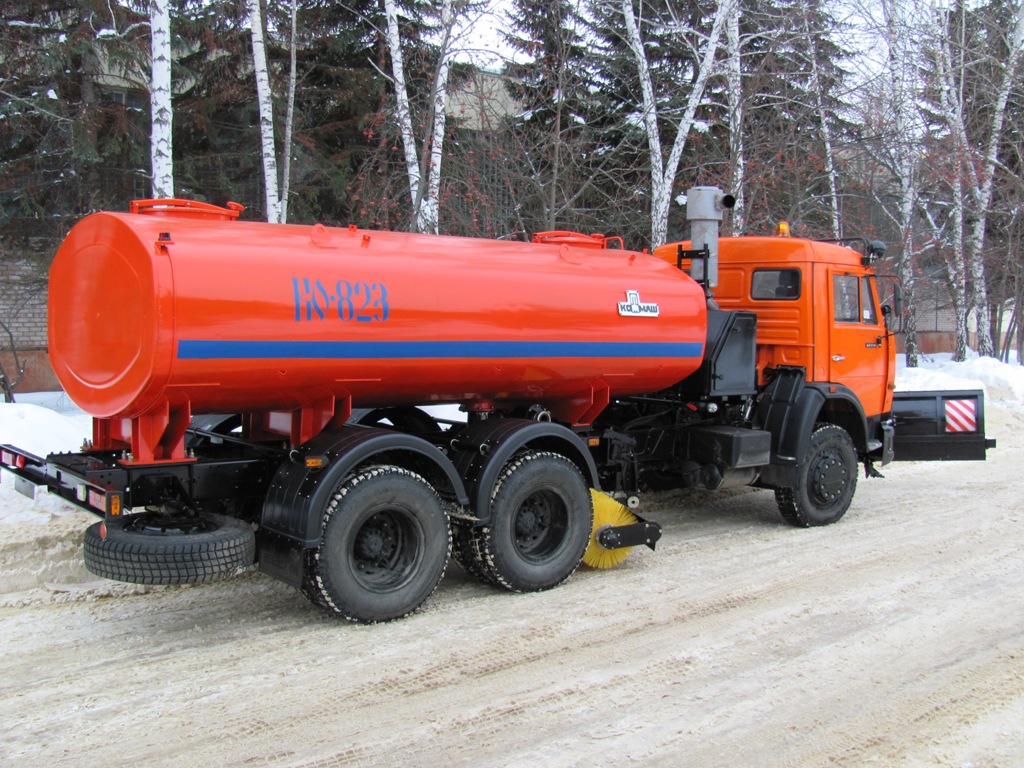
x: 704, y: 209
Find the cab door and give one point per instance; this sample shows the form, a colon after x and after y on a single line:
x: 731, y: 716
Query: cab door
x: 858, y: 354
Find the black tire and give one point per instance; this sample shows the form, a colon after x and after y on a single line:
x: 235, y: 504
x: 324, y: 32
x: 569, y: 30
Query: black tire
x: 384, y: 546
x: 826, y: 481
x: 541, y: 519
x: 136, y: 549
x: 466, y: 550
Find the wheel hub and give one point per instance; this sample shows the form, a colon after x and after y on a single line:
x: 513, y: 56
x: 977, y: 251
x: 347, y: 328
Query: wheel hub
x: 529, y: 523
x: 539, y: 524
x: 375, y: 542
x: 828, y: 478
x: 532, y: 524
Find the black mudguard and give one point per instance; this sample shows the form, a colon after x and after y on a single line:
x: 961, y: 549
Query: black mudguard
x: 294, y: 507
x: 481, y: 450
x: 788, y: 409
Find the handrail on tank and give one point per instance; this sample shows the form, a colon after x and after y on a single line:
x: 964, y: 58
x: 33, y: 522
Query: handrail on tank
x: 566, y: 237
x: 190, y: 209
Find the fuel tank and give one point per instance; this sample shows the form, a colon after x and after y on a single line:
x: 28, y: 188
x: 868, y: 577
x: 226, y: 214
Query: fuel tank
x: 178, y: 308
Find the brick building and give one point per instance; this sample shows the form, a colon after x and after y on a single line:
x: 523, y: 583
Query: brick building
x: 23, y: 319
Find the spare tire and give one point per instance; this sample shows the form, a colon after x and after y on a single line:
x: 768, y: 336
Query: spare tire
x: 140, y: 549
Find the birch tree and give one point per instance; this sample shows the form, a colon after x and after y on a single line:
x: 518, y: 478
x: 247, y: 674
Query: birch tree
x: 900, y: 149
x: 663, y: 169
x: 737, y: 155
x: 276, y: 193
x: 817, y: 94
x: 289, y: 115
x: 161, y: 145
x: 779, y: 91
x: 969, y: 148
x: 424, y: 153
x: 266, y: 112
x: 984, y: 185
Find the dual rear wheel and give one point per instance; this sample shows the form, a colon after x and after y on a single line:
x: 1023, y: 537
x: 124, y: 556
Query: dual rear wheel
x: 384, y: 546
x: 540, y: 526
x: 386, y: 537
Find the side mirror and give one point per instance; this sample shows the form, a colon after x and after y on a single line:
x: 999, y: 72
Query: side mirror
x: 893, y: 315
x: 897, y: 299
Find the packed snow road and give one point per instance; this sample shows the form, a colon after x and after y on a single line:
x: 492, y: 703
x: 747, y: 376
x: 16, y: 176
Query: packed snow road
x: 895, y: 637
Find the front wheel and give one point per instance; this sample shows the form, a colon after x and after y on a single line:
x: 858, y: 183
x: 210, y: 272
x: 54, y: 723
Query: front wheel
x: 826, y: 480
x: 384, y: 546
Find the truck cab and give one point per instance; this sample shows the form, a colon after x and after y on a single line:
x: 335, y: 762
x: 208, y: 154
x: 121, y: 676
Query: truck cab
x: 818, y: 309
x: 822, y: 350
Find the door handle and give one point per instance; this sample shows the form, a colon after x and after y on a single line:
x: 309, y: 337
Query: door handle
x: 838, y: 358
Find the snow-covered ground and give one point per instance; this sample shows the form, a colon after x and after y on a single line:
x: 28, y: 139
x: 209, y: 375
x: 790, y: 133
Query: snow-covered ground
x: 48, y: 422
x: 892, y: 638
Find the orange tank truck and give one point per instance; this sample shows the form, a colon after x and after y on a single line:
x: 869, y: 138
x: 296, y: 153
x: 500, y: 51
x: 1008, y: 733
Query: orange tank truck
x: 262, y: 394
x: 174, y: 310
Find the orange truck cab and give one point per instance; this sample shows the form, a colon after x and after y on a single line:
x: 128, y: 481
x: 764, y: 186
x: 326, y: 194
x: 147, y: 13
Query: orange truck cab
x: 818, y: 309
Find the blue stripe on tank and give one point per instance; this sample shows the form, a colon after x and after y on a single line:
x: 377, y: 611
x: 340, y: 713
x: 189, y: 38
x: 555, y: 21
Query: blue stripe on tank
x: 211, y: 349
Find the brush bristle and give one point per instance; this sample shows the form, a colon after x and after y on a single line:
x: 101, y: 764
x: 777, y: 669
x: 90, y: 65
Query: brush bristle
x: 607, y: 511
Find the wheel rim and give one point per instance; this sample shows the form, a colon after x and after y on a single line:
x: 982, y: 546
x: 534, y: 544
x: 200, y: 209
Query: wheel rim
x: 828, y: 478
x: 540, y: 524
x: 385, y: 551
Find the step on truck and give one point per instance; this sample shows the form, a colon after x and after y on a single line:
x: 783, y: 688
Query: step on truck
x: 261, y: 393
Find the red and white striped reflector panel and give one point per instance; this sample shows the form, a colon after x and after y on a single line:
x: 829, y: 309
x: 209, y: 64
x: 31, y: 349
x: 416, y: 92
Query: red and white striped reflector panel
x: 961, y: 416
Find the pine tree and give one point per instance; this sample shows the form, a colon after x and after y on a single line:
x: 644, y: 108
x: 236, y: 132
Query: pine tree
x: 555, y: 129
x: 793, y: 78
x: 70, y: 140
x: 339, y: 92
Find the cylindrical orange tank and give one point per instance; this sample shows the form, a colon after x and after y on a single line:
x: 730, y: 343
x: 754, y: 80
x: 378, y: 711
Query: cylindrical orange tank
x: 179, y: 306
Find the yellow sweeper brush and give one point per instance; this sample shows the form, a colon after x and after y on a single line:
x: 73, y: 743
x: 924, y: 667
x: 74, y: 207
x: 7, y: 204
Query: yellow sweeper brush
x: 607, y: 511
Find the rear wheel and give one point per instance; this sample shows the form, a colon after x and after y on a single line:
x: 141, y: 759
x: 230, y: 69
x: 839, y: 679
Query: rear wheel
x: 826, y: 480
x: 541, y: 517
x: 384, y: 546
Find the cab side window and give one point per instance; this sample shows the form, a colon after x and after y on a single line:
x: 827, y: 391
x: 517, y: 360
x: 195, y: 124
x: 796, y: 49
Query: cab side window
x: 775, y: 284
x: 846, y: 298
x: 854, y: 299
x: 868, y: 314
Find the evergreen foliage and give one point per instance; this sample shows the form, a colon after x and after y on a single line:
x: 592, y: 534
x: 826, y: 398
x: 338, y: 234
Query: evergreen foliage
x: 555, y: 141
x: 70, y: 140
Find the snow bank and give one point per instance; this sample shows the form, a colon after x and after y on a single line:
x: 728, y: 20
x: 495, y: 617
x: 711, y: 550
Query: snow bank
x: 41, y: 423
x: 1002, y: 383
